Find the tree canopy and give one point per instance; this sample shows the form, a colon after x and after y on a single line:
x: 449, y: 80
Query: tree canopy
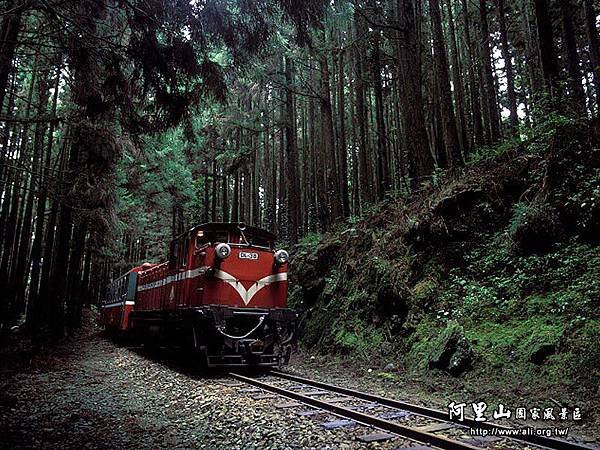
x: 125, y: 122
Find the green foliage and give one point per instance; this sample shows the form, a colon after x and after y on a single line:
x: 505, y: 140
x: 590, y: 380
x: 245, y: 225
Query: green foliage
x: 535, y: 139
x: 490, y: 153
x: 424, y: 291
x: 534, y: 227
x: 512, y: 342
x: 539, y: 137
x: 359, y: 340
x: 310, y: 240
x: 514, y: 312
x: 425, y: 341
x: 149, y: 190
x: 438, y: 176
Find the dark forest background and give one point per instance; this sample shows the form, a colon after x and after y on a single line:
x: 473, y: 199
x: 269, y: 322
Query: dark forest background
x: 125, y: 122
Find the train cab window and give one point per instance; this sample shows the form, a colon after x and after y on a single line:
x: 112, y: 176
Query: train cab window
x: 201, y: 238
x: 258, y: 241
x: 184, y: 251
x: 174, y: 254
x: 210, y: 237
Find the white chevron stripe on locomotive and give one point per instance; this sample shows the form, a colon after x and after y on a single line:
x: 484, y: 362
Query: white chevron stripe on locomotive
x: 245, y: 294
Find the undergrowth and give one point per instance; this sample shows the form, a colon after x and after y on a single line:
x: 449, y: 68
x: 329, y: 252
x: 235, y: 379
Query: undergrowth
x: 493, y: 274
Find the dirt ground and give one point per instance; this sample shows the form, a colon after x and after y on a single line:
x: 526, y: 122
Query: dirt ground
x: 92, y: 392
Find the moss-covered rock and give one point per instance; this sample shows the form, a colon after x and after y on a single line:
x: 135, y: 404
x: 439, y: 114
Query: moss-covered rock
x: 540, y: 351
x: 311, y: 264
x: 535, y: 227
x: 450, y: 350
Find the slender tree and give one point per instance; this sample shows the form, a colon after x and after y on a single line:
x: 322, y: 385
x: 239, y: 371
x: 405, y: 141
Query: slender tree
x: 594, y: 42
x: 409, y: 73
x: 451, y: 142
x: 577, y: 95
x: 508, y: 67
x: 291, y: 150
x: 546, y: 45
x: 487, y: 64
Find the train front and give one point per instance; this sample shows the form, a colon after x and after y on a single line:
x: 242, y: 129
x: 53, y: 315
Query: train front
x: 244, y: 319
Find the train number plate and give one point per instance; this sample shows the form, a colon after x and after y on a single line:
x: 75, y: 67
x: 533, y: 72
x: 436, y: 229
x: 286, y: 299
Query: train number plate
x: 248, y: 255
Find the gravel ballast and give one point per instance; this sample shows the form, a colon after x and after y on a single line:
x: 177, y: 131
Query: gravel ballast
x: 91, y: 393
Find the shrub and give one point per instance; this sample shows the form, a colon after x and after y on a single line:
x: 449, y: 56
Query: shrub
x: 534, y: 227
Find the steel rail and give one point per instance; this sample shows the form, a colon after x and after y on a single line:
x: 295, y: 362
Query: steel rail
x: 411, y: 433
x: 542, y: 441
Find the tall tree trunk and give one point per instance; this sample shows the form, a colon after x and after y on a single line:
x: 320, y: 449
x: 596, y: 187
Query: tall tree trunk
x: 383, y: 177
x: 592, y: 31
x: 273, y: 182
x: 46, y: 309
x: 304, y: 172
x: 57, y: 289
x: 19, y: 276
x: 213, y: 203
x: 508, y: 68
x: 532, y: 54
x: 36, y: 248
x: 577, y: 95
x: 546, y: 45
x: 356, y: 200
x: 291, y: 150
x: 9, y: 32
x: 472, y: 71
x: 5, y: 141
x: 409, y: 86
x: 206, y: 202
x: 342, y: 145
x: 235, y: 203
x: 282, y: 191
x: 14, y: 203
x: 361, y: 115
x: 459, y: 94
x: 453, y: 152
x: 225, y: 193
x: 331, y: 172
x: 74, y: 300
x: 87, y: 293
x: 488, y: 75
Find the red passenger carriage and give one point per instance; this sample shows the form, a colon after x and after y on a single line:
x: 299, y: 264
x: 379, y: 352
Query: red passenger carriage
x: 222, y: 293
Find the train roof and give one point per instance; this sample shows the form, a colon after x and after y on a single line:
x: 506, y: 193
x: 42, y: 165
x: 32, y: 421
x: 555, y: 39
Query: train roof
x: 235, y: 226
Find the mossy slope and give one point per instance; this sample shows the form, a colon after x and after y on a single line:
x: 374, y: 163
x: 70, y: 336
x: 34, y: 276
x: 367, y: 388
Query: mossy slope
x: 494, y: 272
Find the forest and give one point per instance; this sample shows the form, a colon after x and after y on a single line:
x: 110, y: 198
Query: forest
x: 125, y: 122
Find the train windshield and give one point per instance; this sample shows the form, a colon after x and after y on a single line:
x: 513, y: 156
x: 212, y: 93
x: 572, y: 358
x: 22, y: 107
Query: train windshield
x: 211, y: 237
x: 204, y: 237
x: 257, y: 241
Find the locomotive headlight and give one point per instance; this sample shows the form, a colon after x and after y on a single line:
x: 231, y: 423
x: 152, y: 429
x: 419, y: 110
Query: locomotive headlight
x: 281, y: 257
x: 223, y: 251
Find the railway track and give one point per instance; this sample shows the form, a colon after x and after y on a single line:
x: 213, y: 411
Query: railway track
x: 433, y: 427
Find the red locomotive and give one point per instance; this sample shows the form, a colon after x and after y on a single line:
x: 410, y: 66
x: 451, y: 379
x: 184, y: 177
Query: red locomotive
x: 222, y: 293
